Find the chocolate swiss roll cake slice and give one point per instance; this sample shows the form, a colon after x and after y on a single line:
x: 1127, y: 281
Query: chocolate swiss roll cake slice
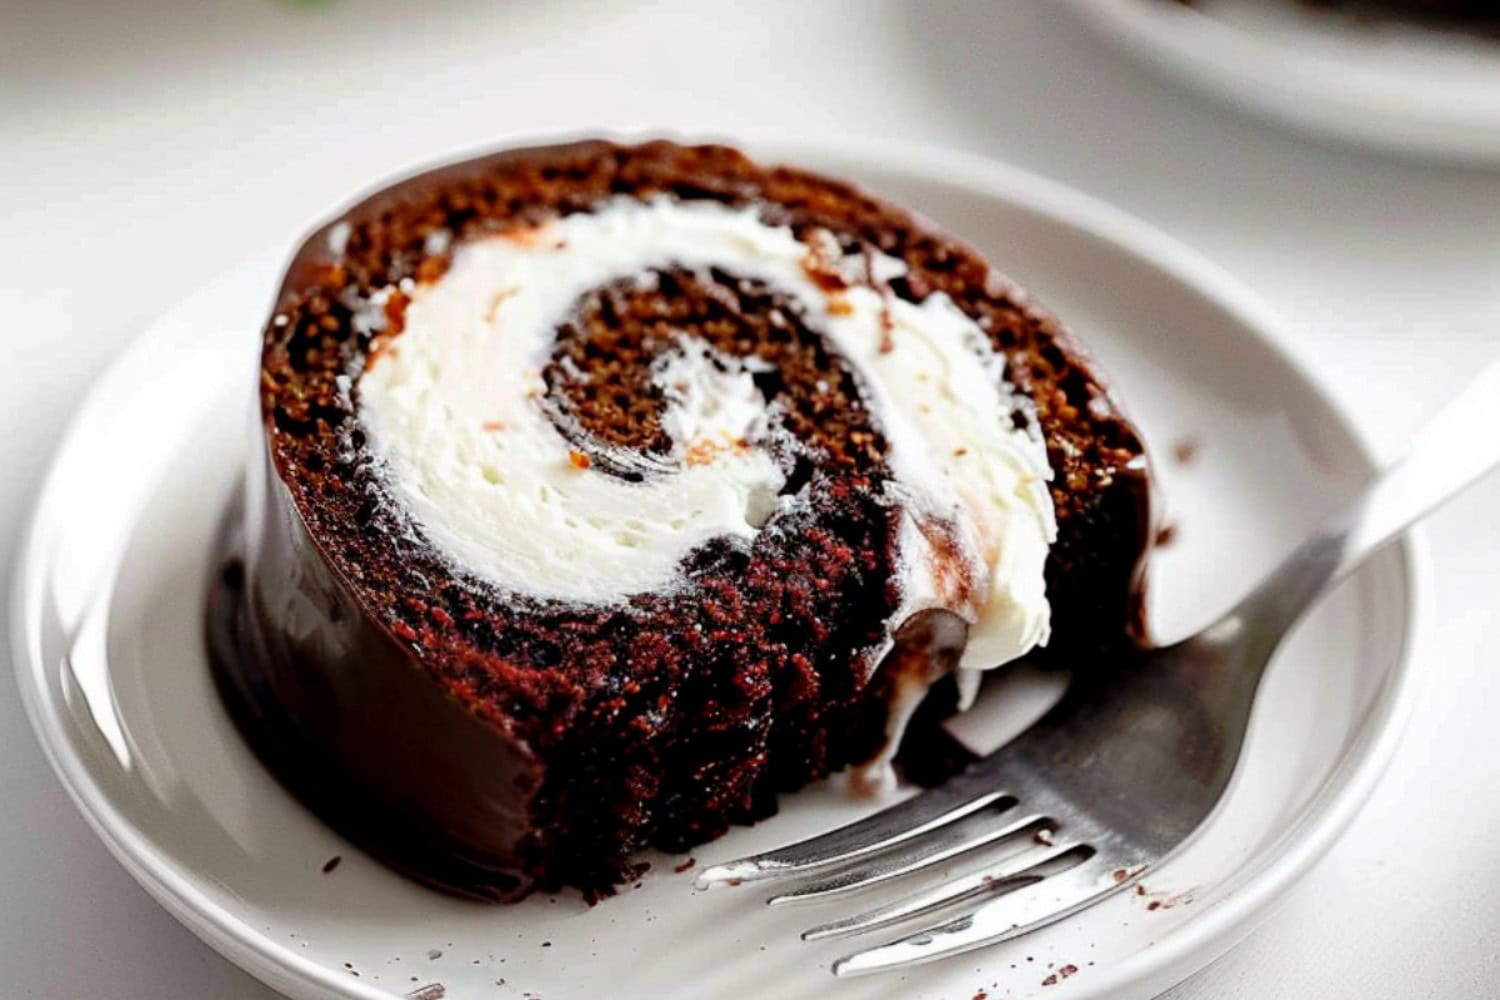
x: 607, y: 492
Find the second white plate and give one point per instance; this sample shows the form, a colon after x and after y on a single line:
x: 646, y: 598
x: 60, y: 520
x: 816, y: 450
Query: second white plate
x: 111, y: 664
x: 1409, y: 90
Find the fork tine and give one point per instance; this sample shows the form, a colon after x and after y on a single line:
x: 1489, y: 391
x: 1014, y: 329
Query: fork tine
x: 994, y: 879
x: 917, y: 815
x: 970, y: 833
x: 996, y: 920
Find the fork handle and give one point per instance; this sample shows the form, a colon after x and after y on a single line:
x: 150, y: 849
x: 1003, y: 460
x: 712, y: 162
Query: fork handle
x: 1450, y: 453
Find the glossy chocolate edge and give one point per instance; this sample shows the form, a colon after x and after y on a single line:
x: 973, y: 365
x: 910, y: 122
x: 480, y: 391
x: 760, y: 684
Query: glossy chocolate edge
x: 449, y: 809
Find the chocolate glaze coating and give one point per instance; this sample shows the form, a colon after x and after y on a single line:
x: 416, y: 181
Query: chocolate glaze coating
x: 345, y: 715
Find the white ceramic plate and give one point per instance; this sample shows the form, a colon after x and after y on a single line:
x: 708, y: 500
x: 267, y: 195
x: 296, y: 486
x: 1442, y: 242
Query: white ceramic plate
x: 109, y: 624
x: 1406, y: 89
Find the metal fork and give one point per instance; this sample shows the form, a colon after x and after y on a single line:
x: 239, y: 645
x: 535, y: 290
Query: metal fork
x: 1128, y: 764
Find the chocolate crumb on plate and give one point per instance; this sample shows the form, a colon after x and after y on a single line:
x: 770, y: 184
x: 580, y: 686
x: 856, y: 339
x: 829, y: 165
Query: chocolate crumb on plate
x: 1166, y: 534
x: 1185, y: 449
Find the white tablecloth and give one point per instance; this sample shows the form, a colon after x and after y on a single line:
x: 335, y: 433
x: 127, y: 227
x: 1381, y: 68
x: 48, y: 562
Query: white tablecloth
x: 146, y: 146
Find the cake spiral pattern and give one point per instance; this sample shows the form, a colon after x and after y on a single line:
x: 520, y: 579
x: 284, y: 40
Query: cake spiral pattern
x: 612, y: 490
x: 503, y: 471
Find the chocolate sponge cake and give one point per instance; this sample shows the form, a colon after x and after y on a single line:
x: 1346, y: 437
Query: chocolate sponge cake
x: 606, y: 492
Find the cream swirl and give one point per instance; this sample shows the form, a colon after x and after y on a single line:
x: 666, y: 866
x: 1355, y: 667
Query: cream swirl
x: 454, y: 407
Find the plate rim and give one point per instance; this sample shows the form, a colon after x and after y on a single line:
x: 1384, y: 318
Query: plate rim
x: 1307, y: 838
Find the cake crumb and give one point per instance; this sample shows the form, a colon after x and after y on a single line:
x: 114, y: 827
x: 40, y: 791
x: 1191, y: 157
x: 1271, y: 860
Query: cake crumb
x: 1166, y: 534
x: 690, y: 862
x: 887, y: 325
x: 823, y: 261
x: 529, y: 235
x: 578, y: 460
x: 496, y: 303
x: 432, y: 991
x: 1185, y: 450
x: 332, y: 863
x: 1160, y: 899
x: 434, y: 954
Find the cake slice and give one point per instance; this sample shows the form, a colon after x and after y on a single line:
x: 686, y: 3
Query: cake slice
x: 608, y: 492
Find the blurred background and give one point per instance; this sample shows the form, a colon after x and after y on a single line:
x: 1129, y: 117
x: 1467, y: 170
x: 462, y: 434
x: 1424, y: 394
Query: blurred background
x: 146, y: 145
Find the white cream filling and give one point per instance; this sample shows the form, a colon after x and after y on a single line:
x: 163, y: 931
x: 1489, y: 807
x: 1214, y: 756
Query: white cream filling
x: 453, y: 405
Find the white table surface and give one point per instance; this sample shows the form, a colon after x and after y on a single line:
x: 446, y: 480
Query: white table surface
x: 146, y: 146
